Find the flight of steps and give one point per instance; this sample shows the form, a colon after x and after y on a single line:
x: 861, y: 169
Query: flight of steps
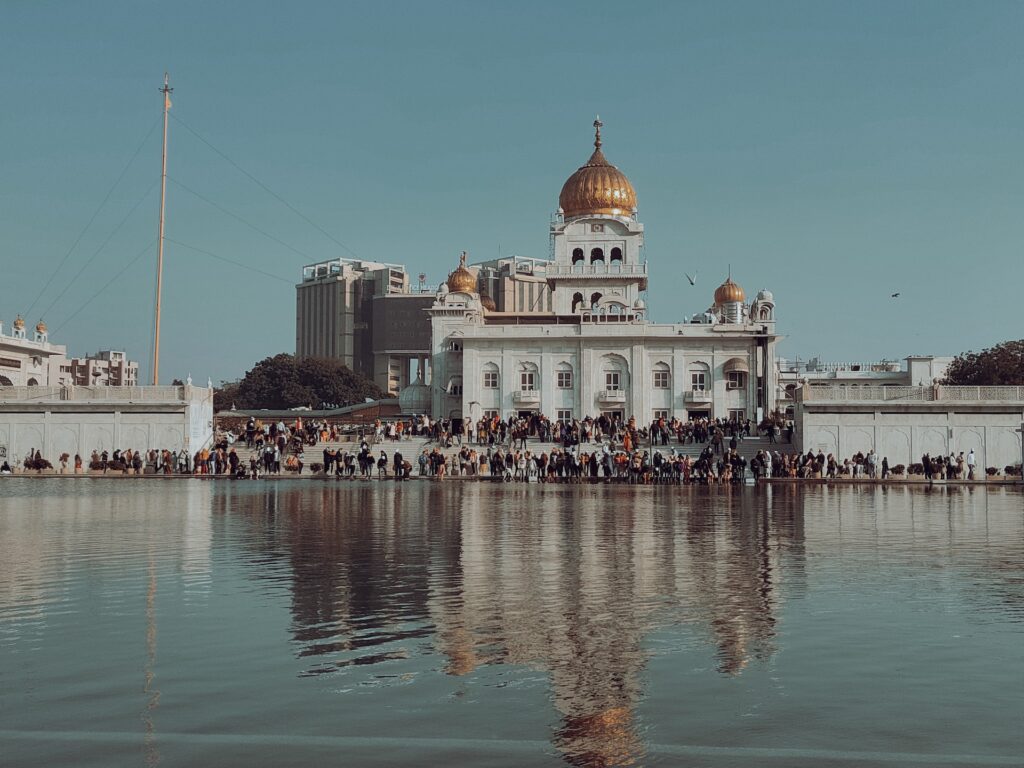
x: 410, y: 448
x: 747, y: 448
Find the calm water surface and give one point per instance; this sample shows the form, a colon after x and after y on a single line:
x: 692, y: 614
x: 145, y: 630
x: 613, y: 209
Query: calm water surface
x: 296, y: 624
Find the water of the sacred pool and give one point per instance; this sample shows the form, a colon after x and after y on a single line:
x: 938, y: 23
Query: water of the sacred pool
x: 276, y: 623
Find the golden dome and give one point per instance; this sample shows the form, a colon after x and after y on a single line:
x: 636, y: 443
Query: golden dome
x: 597, y: 187
x: 19, y: 324
x: 728, y: 292
x: 488, y: 303
x: 462, y: 280
x: 40, y: 327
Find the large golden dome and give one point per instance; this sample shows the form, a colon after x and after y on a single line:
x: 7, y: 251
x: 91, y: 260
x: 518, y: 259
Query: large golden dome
x: 462, y: 280
x: 598, y: 187
x: 728, y: 293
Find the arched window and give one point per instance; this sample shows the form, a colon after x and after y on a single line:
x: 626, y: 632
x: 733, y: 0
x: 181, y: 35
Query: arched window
x: 529, y: 377
x: 563, y: 376
x: 490, y: 372
x: 594, y: 299
x: 616, y: 254
x: 766, y: 313
x: 578, y: 257
x: 33, y: 382
x: 661, y: 377
x: 5, y: 382
x: 596, y: 255
x: 577, y: 301
x: 700, y: 377
x: 614, y: 373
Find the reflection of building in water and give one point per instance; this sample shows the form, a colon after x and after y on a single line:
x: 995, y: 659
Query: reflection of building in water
x: 576, y: 586
x: 358, y: 565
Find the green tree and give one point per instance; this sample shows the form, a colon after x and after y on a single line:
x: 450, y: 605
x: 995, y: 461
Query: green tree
x: 1002, y: 364
x: 283, y: 381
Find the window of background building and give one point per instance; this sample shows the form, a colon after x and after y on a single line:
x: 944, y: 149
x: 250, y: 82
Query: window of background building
x: 490, y: 414
x: 490, y: 379
x: 564, y: 379
x: 737, y: 415
x: 563, y: 415
x: 698, y: 382
x: 661, y: 380
x: 735, y: 380
x: 527, y: 381
x: 612, y: 381
x: 661, y: 415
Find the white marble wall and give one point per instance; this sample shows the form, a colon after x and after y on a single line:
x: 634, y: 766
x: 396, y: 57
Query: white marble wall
x: 62, y: 427
x: 904, y: 435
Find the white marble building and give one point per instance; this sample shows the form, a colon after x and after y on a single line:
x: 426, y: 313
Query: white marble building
x: 30, y: 361
x: 588, y: 347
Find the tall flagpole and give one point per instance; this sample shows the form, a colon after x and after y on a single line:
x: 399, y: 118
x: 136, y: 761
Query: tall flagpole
x: 166, y: 91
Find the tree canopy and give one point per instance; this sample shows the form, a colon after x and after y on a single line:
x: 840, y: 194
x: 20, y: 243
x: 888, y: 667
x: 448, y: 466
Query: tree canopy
x: 284, y: 381
x: 1002, y: 364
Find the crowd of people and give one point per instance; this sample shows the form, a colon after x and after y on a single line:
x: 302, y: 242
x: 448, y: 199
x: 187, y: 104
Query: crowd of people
x: 567, y: 450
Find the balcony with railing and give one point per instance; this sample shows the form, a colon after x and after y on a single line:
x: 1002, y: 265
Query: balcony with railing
x: 814, y: 366
x: 896, y: 394
x: 597, y: 270
x: 612, y: 396
x: 698, y: 396
x: 526, y: 397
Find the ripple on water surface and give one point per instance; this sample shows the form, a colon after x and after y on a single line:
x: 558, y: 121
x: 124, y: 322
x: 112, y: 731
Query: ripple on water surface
x: 266, y: 623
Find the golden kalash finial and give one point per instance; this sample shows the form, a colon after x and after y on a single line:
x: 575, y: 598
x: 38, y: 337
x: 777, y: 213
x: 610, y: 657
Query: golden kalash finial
x: 462, y: 280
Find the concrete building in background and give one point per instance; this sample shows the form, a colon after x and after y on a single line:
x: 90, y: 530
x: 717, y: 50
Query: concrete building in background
x: 33, y: 361
x: 334, y: 314
x: 916, y: 370
x: 110, y: 368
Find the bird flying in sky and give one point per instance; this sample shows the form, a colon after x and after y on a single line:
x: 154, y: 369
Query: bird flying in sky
x: 693, y: 279
x: 896, y: 295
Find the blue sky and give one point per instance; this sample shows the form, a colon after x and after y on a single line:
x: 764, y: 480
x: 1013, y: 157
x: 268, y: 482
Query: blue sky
x: 833, y: 152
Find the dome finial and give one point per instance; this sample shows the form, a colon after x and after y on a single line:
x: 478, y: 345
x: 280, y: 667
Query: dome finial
x: 462, y: 280
x: 597, y: 188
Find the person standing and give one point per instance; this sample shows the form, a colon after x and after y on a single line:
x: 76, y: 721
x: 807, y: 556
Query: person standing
x: 971, y: 461
x: 885, y: 467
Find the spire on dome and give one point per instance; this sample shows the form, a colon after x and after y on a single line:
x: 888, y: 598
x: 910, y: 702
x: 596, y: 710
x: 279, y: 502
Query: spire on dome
x: 597, y: 188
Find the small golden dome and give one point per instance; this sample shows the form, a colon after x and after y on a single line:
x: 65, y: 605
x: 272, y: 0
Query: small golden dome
x: 728, y: 292
x: 19, y: 324
x: 40, y: 327
x: 462, y: 280
x: 488, y: 303
x: 597, y: 187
